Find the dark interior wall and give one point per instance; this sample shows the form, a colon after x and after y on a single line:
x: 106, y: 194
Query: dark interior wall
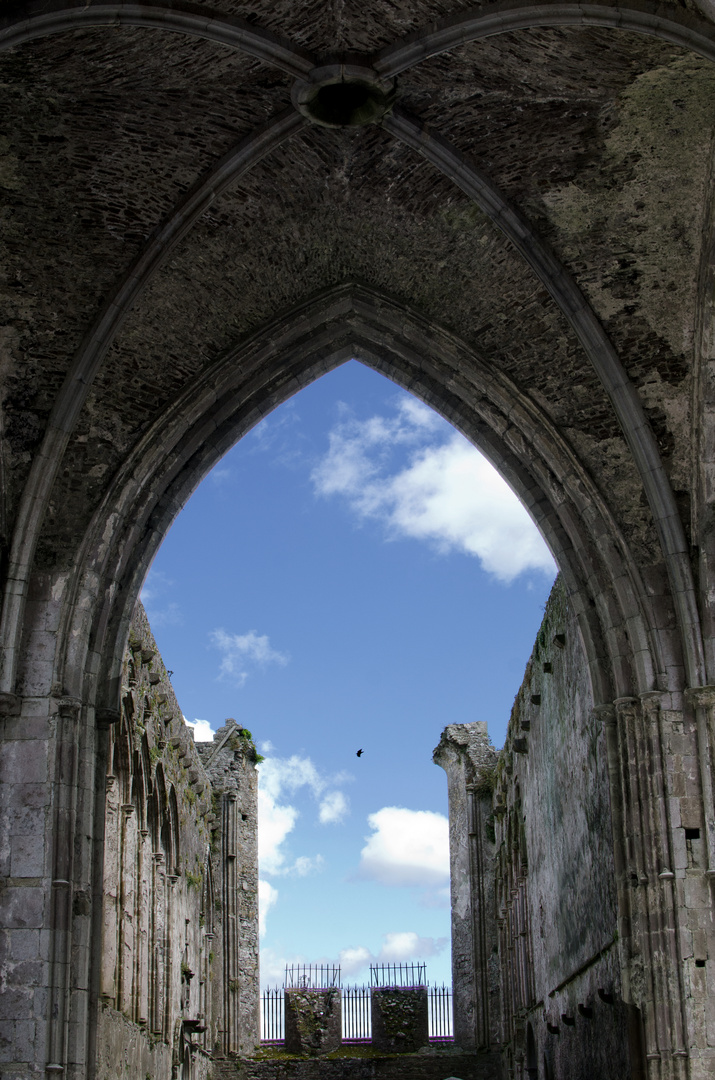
x: 555, y: 888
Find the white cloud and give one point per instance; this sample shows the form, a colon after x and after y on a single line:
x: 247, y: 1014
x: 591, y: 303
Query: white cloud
x: 219, y: 476
x: 241, y: 652
x: 354, y: 959
x: 333, y: 808
x: 266, y: 746
x: 407, y: 945
x: 448, y: 494
x: 406, y: 847
x: 273, y: 966
x: 279, y: 778
x: 398, y: 947
x: 275, y: 822
x: 306, y: 864
x: 267, y: 898
x: 203, y: 732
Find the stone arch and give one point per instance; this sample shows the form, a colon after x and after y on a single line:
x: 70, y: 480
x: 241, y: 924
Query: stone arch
x: 624, y: 650
x: 33, y: 19
x: 641, y: 640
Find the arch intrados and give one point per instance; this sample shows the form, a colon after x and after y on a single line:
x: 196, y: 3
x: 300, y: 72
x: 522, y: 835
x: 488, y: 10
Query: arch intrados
x: 43, y: 18
x: 552, y: 274
x: 202, y: 425
x: 678, y: 28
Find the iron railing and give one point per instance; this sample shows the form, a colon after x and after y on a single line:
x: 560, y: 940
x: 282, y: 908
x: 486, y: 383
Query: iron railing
x: 312, y: 976
x: 356, y: 1014
x: 357, y: 1024
x: 441, y: 1026
x: 272, y: 1015
x: 398, y: 974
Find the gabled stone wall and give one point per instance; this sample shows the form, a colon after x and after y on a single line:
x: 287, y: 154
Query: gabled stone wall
x: 179, y: 952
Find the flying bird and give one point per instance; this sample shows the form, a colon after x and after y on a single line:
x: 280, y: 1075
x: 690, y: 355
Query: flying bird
x: 359, y: 753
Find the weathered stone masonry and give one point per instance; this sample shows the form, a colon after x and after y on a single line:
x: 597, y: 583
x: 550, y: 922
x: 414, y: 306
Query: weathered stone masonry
x: 554, y: 858
x: 518, y: 228
x: 179, y: 949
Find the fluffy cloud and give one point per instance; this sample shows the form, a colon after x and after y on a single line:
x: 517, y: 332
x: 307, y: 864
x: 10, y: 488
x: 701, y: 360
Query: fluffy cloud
x: 354, y: 959
x: 448, y: 494
x: 333, y: 808
x: 241, y: 652
x: 406, y: 847
x: 203, y: 732
x: 398, y: 947
x: 267, y: 897
x: 407, y: 945
x: 278, y: 779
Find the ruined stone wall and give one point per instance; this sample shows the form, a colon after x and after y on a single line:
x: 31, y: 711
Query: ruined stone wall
x: 556, y: 893
x: 531, y: 830
x: 179, y: 954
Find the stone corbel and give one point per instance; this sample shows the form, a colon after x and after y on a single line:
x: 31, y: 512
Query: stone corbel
x: 68, y: 708
x: 106, y: 717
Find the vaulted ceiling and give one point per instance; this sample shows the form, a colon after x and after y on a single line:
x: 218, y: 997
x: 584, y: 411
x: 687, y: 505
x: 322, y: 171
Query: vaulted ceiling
x: 520, y: 233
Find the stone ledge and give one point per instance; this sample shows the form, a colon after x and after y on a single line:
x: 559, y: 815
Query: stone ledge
x: 433, y: 1063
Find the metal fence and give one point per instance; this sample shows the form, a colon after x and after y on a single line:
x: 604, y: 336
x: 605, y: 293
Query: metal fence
x: 357, y: 1023
x: 272, y: 1015
x: 439, y: 1000
x: 357, y: 1026
x: 312, y: 976
x: 398, y: 974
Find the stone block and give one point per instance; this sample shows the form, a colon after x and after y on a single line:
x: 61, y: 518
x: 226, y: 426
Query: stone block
x: 24, y: 945
x: 23, y: 762
x: 7, y: 1040
x: 27, y: 857
x: 14, y: 1003
x: 21, y: 907
x: 27, y: 973
x: 400, y: 1020
x: 25, y: 1040
x: 313, y: 1021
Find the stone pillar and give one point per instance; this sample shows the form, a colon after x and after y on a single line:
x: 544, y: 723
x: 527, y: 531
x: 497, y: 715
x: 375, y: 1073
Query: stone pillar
x: 230, y: 765
x: 158, y: 944
x: 648, y: 916
x: 231, y: 973
x: 469, y: 760
x: 127, y: 911
x: 110, y: 894
x: 313, y: 1021
x: 400, y: 1018
x: 142, y: 935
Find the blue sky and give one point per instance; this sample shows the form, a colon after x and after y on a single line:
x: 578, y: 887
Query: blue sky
x: 352, y: 574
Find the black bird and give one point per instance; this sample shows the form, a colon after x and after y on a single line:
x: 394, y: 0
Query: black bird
x: 358, y: 753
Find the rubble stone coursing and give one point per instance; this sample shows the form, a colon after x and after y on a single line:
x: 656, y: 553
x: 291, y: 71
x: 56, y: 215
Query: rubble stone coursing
x: 525, y: 243
x: 533, y: 870
x: 313, y: 1021
x: 179, y: 950
x: 400, y: 1018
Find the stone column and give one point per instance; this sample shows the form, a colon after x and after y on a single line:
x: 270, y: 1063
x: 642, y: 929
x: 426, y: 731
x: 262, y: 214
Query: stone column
x: 110, y: 894
x: 158, y: 944
x: 231, y: 973
x: 651, y: 968
x: 469, y: 760
x: 142, y: 935
x: 127, y: 911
